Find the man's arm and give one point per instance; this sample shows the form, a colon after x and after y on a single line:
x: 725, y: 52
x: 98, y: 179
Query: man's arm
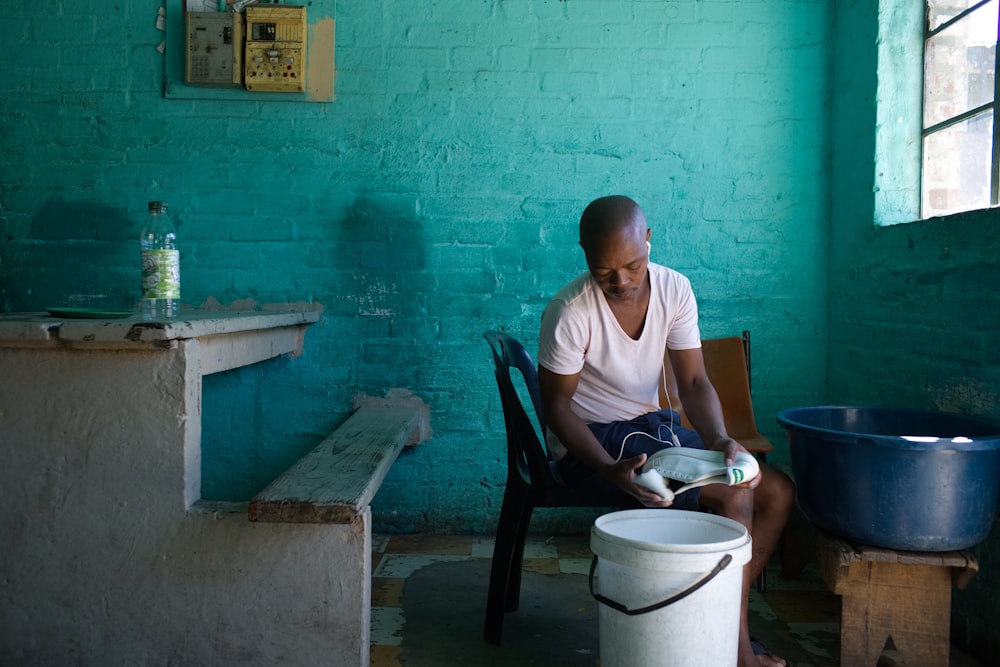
x: 701, y: 402
x: 557, y: 395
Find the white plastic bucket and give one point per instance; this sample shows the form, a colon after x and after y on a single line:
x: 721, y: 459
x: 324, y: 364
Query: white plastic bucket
x: 692, y: 562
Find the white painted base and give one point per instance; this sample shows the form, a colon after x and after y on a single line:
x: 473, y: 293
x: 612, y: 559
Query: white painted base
x: 102, y: 561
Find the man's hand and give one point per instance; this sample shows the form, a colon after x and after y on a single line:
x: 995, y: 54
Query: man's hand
x: 731, y: 447
x: 623, y: 474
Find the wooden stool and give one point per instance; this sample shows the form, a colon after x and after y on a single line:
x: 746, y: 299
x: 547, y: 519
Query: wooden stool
x: 884, y: 593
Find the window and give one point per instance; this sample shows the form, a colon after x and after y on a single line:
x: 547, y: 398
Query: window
x: 960, y: 142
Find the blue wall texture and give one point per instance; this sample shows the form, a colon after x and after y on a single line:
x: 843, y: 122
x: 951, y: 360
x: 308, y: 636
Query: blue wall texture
x: 438, y: 196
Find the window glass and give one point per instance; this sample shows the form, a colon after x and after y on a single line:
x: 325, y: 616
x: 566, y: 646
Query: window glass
x: 959, y: 65
x: 956, y: 170
x: 940, y: 12
x: 959, y: 107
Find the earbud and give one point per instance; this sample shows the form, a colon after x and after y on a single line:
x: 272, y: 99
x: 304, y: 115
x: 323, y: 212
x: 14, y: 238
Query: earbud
x: 649, y: 247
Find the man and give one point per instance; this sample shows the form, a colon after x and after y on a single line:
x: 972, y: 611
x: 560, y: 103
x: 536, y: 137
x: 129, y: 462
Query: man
x: 600, y: 356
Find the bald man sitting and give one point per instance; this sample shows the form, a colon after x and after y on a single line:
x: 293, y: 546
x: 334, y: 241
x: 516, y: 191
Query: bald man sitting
x: 600, y: 356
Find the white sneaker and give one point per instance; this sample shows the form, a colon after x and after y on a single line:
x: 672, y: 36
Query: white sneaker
x: 694, y: 467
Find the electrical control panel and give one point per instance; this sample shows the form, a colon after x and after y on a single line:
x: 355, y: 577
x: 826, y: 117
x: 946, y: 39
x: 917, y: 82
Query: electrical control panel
x: 274, y: 58
x: 214, y: 49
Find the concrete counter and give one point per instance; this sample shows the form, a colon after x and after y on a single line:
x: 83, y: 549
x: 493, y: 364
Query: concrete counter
x: 109, y: 558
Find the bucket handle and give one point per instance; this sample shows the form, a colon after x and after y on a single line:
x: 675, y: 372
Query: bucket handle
x: 723, y: 563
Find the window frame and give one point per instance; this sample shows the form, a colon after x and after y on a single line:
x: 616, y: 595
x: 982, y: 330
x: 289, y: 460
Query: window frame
x: 928, y: 34
x: 899, y: 105
x: 898, y: 111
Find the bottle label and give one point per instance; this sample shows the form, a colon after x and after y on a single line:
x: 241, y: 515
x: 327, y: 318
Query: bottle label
x: 161, y: 274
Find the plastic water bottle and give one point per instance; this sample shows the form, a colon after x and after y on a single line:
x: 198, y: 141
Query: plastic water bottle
x: 161, y: 269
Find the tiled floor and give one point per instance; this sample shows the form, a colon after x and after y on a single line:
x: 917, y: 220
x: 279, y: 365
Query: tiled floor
x: 800, y: 617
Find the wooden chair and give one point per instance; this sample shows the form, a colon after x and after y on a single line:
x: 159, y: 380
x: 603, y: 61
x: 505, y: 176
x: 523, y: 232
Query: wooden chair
x: 727, y: 361
x: 532, y: 481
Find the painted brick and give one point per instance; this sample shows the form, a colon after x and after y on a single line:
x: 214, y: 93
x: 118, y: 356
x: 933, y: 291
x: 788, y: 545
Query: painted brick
x: 417, y: 57
x: 566, y: 83
x: 594, y: 10
x: 667, y: 12
x: 473, y: 57
x: 438, y: 195
x: 513, y: 57
x: 549, y: 59
x: 634, y: 33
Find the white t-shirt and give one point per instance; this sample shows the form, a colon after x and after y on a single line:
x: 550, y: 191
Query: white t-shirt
x: 619, y: 376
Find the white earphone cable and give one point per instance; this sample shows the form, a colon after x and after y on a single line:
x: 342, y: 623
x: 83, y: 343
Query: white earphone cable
x: 674, y: 441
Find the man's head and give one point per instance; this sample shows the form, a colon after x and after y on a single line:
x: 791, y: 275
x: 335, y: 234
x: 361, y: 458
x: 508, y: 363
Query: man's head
x: 614, y: 236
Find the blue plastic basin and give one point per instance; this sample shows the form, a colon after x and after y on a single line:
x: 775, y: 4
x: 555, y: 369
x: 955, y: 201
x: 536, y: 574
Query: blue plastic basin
x: 898, y: 479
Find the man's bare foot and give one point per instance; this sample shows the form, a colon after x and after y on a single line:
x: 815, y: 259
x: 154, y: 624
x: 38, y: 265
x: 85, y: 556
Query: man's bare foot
x: 754, y: 654
x: 764, y: 656
x: 770, y: 660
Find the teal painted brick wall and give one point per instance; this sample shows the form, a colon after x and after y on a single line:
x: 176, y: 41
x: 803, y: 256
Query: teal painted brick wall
x: 913, y: 307
x: 436, y: 197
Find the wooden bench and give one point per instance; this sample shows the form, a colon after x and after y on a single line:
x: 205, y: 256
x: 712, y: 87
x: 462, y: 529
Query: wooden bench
x: 336, y: 481
x: 904, y: 595
x: 334, y: 485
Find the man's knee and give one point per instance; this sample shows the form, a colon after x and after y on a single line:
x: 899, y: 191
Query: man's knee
x: 775, y: 493
x: 729, y: 501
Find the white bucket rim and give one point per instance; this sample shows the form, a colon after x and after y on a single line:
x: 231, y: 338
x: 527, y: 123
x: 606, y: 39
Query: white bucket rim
x: 603, y: 531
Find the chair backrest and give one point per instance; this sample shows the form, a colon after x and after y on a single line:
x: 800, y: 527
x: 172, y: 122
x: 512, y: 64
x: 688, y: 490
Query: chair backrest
x: 727, y: 363
x: 525, y: 450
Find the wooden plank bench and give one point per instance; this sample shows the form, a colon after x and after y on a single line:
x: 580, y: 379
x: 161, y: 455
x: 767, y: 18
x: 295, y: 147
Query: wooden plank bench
x: 336, y: 481
x: 334, y: 485
x: 885, y: 593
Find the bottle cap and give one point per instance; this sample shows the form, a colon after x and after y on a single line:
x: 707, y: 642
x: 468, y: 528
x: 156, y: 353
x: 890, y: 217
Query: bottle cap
x: 160, y: 206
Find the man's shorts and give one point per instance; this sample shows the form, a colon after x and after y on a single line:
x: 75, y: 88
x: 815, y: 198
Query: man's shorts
x: 646, y: 434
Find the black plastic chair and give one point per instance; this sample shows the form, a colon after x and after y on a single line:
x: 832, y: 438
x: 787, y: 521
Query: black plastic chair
x: 532, y: 481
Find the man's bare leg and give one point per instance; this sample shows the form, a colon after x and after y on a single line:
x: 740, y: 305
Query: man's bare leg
x: 764, y: 511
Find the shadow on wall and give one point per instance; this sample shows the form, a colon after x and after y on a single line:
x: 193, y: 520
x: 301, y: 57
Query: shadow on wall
x: 382, y: 254
x: 75, y: 254
x: 379, y: 262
